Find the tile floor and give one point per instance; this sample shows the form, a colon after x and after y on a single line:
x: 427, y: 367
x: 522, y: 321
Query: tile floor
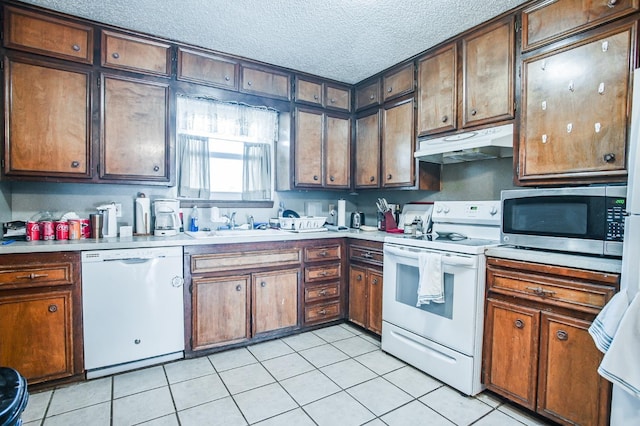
x: 332, y: 376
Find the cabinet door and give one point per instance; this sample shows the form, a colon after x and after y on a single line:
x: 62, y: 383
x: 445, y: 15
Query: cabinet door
x: 398, y: 144
x: 308, y: 148
x: 570, y: 390
x: 309, y: 92
x: 511, y: 351
x: 125, y: 52
x: 358, y: 295
x: 338, y: 97
x: 37, y: 335
x: 487, y: 76
x: 337, y: 148
x: 374, y: 281
x: 267, y: 83
x: 47, y: 120
x: 575, y: 117
x: 367, y: 162
x: 437, y: 91
x: 275, y: 300
x: 398, y: 82
x: 135, y: 130
x: 203, y: 68
x: 368, y: 95
x: 220, y: 311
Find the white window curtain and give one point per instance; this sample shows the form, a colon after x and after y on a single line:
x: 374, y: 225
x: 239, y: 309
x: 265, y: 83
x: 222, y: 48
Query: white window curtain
x: 257, y: 127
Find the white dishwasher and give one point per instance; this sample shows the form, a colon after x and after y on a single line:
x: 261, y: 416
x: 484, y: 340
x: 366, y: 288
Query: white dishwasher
x: 133, y: 310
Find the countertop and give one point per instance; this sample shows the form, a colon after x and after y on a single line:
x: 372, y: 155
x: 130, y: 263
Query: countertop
x: 593, y: 263
x: 178, y: 240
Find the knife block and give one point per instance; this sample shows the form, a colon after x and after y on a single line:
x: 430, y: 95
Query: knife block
x: 390, y: 221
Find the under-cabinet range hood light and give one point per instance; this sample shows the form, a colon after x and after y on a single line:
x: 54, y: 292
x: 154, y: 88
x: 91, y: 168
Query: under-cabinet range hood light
x: 483, y: 144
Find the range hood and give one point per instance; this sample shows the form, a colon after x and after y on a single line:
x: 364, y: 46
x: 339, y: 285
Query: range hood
x: 483, y: 144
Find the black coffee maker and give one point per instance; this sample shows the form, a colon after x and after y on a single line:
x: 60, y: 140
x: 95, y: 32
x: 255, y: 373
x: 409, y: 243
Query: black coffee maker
x: 357, y: 220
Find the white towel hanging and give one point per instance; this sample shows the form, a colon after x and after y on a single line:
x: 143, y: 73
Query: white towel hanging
x: 431, y: 280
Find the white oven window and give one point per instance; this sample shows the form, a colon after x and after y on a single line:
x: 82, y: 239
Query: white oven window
x: 407, y: 292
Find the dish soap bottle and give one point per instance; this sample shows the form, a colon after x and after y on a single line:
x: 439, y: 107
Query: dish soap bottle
x: 193, y: 222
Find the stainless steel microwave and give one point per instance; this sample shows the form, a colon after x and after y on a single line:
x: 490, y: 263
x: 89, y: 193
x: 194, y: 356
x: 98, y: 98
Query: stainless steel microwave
x: 576, y: 220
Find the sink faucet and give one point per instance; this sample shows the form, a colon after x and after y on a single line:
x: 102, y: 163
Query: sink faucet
x: 232, y: 219
x: 251, y: 222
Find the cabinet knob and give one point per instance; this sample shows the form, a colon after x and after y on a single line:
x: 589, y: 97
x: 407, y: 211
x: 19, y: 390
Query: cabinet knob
x: 315, y: 177
x: 76, y: 48
x: 390, y: 89
x: 612, y: 3
x: 445, y: 118
x: 263, y: 284
x: 115, y: 55
x: 562, y: 335
x: 609, y: 158
x: 359, y: 277
x: 519, y: 323
x: 53, y: 308
x: 372, y: 179
x: 315, y: 97
x: 474, y: 112
x: 227, y: 78
x: 156, y: 168
x: 238, y: 287
x: 332, y: 178
x: 332, y: 100
x: 389, y: 176
x: 375, y: 281
x: 249, y: 83
x: 75, y: 164
x: 371, y: 97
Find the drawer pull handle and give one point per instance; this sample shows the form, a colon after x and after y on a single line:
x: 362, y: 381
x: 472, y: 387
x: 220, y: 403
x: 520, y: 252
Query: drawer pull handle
x: 238, y: 287
x: 323, y: 292
x: 562, y: 335
x: 322, y: 312
x: 53, y: 308
x: 323, y: 273
x: 539, y: 291
x: 32, y: 276
x: 367, y: 255
x: 324, y: 253
x: 519, y: 323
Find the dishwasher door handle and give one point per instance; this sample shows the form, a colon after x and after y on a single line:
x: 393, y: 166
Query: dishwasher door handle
x: 131, y: 260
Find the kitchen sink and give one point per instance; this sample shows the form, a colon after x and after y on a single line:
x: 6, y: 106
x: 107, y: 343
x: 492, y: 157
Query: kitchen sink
x: 222, y: 233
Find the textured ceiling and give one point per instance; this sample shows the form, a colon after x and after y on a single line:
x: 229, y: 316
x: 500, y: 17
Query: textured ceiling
x: 345, y: 40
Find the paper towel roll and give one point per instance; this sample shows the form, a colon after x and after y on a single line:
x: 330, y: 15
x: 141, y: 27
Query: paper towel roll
x: 342, y: 213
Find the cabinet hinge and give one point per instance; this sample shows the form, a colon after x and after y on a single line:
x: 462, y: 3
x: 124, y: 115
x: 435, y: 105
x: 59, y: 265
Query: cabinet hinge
x: 516, y: 26
x: 1, y: 65
x: 191, y: 342
x: 2, y: 163
x: 98, y: 79
x: 519, y: 71
x: 191, y: 288
x: 515, y: 106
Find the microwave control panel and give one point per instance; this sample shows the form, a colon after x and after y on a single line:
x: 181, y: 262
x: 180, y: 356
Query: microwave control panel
x: 616, y: 207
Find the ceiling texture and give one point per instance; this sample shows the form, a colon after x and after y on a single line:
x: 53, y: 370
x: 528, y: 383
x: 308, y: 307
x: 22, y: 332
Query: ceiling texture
x: 343, y: 40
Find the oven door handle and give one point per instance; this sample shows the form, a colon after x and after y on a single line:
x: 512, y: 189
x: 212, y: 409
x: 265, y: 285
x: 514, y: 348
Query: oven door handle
x: 447, y: 259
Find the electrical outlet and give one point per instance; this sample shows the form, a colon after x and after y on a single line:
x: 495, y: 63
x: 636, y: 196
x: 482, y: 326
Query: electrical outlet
x: 118, y: 210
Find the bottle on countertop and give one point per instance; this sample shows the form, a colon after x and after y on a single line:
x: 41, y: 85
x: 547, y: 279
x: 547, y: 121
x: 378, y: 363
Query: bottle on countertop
x: 193, y: 221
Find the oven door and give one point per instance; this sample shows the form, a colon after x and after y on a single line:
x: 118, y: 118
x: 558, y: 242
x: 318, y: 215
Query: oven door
x: 452, y: 323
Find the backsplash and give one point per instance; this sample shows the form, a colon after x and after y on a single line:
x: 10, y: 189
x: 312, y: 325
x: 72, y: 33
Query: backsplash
x: 480, y: 180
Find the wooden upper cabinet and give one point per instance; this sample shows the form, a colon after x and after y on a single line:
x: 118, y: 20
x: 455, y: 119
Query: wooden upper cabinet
x: 437, y: 91
x: 308, y: 147
x: 487, y: 74
x: 47, y: 119
x: 368, y: 94
x: 309, y: 92
x: 122, y: 51
x: 575, y: 103
x: 337, y: 152
x: 46, y: 35
x: 203, y: 68
x: 337, y: 97
x: 398, y: 82
x: 135, y: 130
x: 266, y: 83
x: 367, y: 147
x: 548, y: 21
x: 398, y: 145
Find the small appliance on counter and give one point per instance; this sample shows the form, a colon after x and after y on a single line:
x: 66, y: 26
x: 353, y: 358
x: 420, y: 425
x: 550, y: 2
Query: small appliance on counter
x: 142, y: 215
x: 357, y: 219
x: 14, y: 230
x: 167, y: 217
x: 109, y: 221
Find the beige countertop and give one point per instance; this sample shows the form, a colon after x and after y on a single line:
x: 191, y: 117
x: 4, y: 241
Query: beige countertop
x: 178, y: 240
x: 593, y: 263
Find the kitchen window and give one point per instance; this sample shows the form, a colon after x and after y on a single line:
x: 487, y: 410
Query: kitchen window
x: 225, y: 150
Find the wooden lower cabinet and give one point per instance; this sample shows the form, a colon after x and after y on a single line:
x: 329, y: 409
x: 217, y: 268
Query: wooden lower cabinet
x: 40, y: 312
x: 323, y: 297
x: 365, y: 285
x: 275, y: 300
x: 537, y: 348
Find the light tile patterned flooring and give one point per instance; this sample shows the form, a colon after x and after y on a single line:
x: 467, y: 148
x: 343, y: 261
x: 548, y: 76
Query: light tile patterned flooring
x: 334, y: 376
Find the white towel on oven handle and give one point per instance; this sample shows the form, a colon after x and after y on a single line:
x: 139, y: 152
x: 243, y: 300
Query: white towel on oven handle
x: 606, y: 324
x: 431, y: 280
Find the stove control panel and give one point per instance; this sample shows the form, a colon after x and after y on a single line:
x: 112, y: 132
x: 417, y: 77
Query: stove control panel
x: 475, y: 212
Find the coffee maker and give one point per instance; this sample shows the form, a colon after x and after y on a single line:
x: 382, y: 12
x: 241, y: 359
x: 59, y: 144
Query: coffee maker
x: 167, y: 217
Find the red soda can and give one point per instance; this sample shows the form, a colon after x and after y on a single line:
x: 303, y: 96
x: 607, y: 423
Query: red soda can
x: 62, y: 229
x: 33, y: 231
x: 46, y: 230
x: 85, y: 229
x: 74, y: 229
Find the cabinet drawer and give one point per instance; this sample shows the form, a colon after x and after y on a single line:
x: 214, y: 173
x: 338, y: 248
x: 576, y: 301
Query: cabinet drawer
x: 313, y: 254
x: 122, y: 51
x: 337, y: 98
x: 202, y: 68
x: 365, y: 255
x: 320, y: 313
x: 548, y: 21
x: 321, y: 292
x: 265, y: 83
x: 13, y: 277
x: 308, y: 91
x: 46, y: 35
x: 398, y: 82
x: 243, y: 260
x: 368, y: 95
x: 325, y: 272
